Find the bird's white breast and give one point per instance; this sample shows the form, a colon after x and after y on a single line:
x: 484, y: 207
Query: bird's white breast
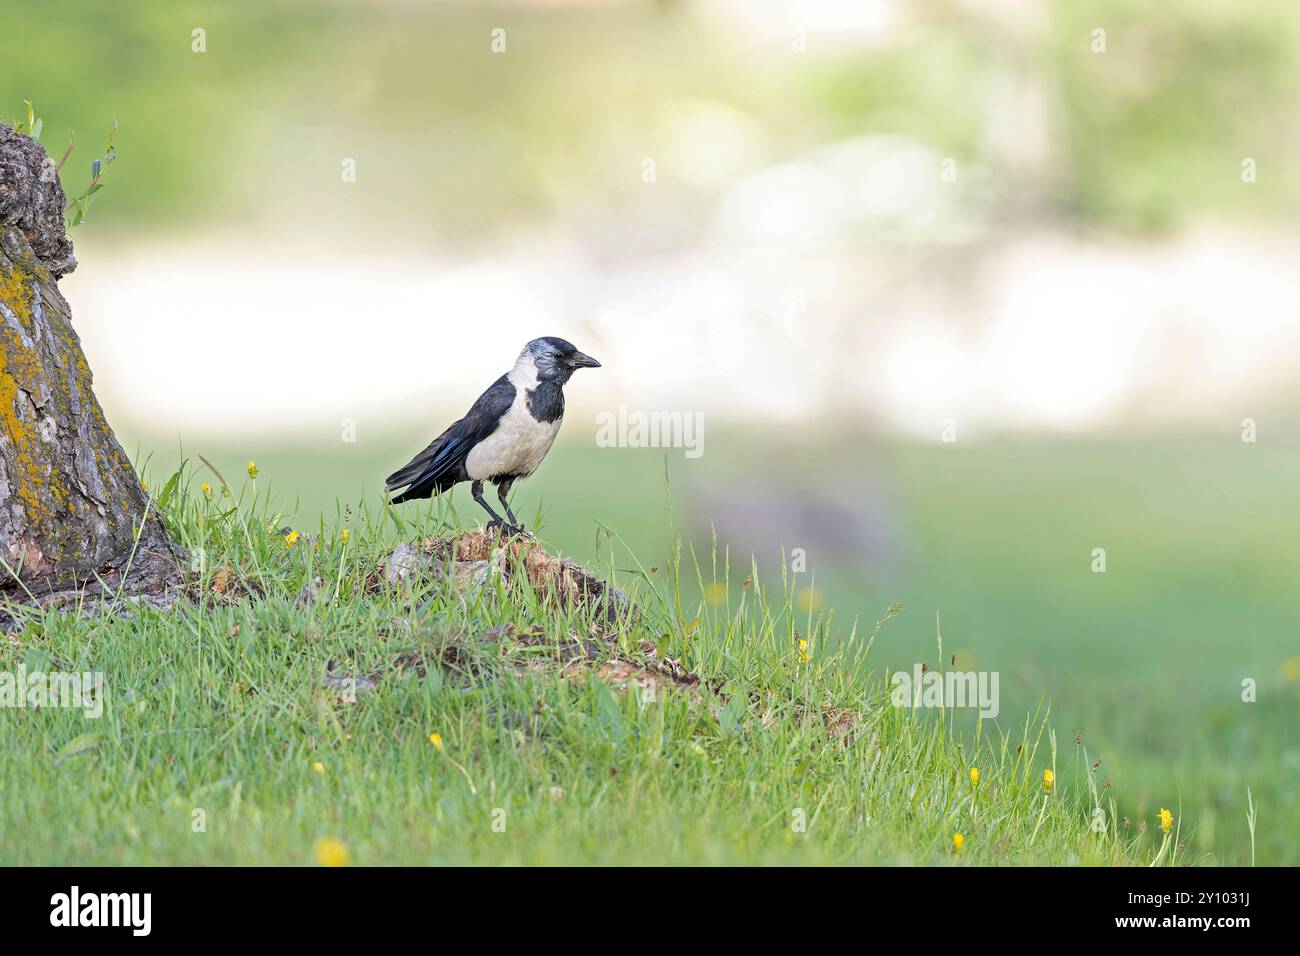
x: 520, y: 441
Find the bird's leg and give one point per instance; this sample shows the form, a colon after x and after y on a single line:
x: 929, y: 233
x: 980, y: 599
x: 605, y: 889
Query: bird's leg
x: 476, y: 490
x: 503, y: 489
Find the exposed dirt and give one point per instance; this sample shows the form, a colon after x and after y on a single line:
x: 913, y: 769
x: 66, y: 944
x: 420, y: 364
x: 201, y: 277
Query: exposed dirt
x: 475, y: 556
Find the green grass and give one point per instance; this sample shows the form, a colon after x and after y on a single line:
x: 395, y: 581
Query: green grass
x: 218, y: 706
x: 1146, y: 661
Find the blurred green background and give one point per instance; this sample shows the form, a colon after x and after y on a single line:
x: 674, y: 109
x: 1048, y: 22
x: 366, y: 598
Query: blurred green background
x: 1099, y: 301
x: 470, y: 141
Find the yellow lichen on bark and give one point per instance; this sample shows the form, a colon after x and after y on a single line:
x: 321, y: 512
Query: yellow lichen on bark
x: 20, y: 368
x: 17, y: 288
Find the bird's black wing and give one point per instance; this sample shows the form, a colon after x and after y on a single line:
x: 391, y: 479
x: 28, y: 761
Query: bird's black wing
x: 441, y: 465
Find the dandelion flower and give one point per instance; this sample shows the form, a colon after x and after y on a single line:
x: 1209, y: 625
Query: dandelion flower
x: 1049, y: 780
x: 436, y: 740
x: 318, y: 767
x: 332, y: 852
x: 291, y: 539
x: 252, y: 469
x: 207, y: 491
x: 958, y: 841
x: 344, y: 535
x: 1166, y: 820
x: 803, y: 650
x: 974, y: 776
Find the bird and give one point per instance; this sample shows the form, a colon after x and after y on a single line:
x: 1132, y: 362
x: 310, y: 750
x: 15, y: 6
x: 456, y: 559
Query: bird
x: 503, y: 437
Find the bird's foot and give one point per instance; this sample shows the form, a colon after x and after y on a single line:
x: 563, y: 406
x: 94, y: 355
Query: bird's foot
x: 506, y: 530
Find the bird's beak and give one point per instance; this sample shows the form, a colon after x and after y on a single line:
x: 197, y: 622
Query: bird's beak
x: 579, y: 360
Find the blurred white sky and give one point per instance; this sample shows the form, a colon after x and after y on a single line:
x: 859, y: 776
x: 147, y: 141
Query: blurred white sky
x: 1055, y: 331
x: 852, y: 278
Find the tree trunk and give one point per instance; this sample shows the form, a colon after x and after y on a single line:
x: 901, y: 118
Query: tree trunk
x: 75, y: 522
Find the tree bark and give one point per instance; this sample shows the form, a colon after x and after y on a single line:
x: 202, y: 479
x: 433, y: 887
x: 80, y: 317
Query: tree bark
x: 76, y: 525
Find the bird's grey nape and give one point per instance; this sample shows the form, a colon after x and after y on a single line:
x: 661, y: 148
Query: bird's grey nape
x: 546, y: 358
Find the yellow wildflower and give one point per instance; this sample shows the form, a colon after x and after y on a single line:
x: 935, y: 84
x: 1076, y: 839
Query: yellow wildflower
x: 344, y: 535
x: 974, y: 775
x: 291, y: 539
x: 809, y: 599
x: 1049, y: 780
x: 1166, y: 820
x: 318, y: 767
x: 436, y: 740
x: 252, y: 468
x: 958, y: 841
x: 803, y: 650
x: 332, y: 852
x: 207, y: 491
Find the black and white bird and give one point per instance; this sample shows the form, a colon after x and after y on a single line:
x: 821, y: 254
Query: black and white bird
x: 504, y: 436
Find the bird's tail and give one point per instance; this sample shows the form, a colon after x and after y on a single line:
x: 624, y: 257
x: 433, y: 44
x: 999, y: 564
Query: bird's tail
x: 411, y: 493
x: 414, y: 473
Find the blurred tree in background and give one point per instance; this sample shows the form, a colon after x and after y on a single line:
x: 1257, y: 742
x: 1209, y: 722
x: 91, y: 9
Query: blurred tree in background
x: 1149, y: 133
